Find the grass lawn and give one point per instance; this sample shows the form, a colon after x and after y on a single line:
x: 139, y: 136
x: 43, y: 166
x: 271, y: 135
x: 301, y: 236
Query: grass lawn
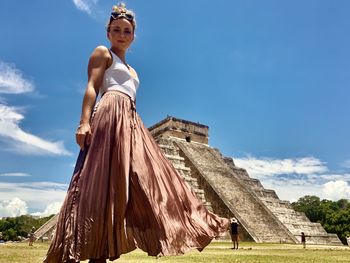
x: 216, y: 252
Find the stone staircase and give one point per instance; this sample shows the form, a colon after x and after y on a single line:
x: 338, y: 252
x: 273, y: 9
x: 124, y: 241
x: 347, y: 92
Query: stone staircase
x: 261, y: 224
x: 172, y: 154
x: 45, y: 231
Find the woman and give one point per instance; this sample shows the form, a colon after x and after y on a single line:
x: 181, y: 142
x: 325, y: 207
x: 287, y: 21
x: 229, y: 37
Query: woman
x: 124, y: 194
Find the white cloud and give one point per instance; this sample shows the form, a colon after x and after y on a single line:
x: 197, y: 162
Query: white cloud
x: 24, y: 142
x: 329, y: 177
x: 12, y: 81
x: 269, y: 167
x: 53, y: 208
x: 13, y: 207
x: 16, y: 207
x: 85, y: 5
x: 336, y: 190
x: 82, y: 6
x: 292, y: 190
x: 38, y: 196
x: 15, y: 175
x: 294, y: 178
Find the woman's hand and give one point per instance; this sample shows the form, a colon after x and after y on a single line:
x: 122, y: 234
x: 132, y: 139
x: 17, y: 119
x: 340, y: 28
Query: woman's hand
x: 83, y: 135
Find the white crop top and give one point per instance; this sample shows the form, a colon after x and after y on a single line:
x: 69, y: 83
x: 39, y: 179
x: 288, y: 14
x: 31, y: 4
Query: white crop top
x: 118, y: 77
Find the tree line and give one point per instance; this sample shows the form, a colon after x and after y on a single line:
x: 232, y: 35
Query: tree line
x: 15, y: 228
x: 334, y: 216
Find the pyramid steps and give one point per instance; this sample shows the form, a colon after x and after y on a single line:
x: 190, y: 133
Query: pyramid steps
x: 172, y: 153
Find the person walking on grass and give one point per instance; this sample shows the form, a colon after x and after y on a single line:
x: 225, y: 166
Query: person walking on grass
x: 303, y: 239
x: 31, y: 236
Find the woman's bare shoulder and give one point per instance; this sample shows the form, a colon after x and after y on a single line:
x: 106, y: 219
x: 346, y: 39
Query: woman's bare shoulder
x: 100, y: 58
x: 100, y: 52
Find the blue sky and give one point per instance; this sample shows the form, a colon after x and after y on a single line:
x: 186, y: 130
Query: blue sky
x: 270, y: 78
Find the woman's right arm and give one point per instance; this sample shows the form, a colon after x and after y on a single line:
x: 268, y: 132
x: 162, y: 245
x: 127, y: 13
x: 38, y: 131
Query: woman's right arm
x: 97, y: 65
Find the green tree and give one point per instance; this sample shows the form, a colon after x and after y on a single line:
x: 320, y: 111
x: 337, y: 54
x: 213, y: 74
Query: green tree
x: 343, y: 204
x: 338, y: 222
x: 310, y: 205
x: 10, y: 234
x: 326, y: 209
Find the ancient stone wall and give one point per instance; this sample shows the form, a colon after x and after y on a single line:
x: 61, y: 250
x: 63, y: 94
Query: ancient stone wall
x: 187, y: 130
x: 46, y: 230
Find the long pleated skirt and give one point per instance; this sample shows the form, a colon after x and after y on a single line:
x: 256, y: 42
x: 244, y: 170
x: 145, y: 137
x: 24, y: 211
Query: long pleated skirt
x: 125, y: 194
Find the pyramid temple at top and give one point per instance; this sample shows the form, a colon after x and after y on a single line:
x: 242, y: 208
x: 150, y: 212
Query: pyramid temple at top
x: 228, y: 190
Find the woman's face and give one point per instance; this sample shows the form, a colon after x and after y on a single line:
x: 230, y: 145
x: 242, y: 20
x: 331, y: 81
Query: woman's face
x: 121, y: 34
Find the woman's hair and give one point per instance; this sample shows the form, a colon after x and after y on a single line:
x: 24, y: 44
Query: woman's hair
x: 119, y: 11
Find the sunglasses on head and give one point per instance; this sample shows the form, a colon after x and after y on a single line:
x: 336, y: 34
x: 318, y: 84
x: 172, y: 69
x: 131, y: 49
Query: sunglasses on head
x: 117, y: 15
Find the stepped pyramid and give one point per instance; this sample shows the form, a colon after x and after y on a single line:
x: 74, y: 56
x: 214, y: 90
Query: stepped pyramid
x: 228, y: 190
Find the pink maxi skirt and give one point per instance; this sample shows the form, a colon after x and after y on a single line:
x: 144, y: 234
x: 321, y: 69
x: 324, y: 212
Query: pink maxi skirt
x: 125, y: 194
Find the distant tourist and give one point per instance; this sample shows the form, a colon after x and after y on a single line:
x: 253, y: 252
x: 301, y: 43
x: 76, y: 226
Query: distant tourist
x: 31, y: 236
x: 234, y: 232
x: 348, y: 240
x: 303, y: 239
